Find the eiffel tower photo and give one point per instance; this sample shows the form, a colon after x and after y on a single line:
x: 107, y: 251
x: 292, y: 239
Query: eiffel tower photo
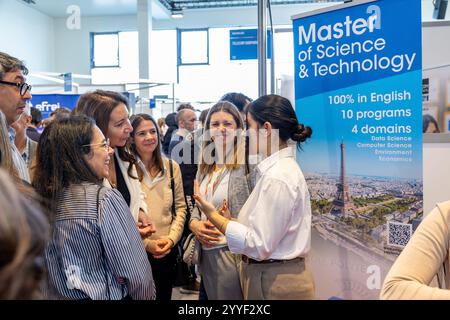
x: 342, y: 203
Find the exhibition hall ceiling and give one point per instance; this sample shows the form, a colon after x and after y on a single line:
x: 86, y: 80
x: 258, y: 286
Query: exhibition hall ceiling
x: 203, y: 4
x: 160, y: 8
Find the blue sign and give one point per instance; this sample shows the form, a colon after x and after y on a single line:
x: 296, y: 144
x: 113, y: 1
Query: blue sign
x: 48, y: 103
x: 358, y: 85
x: 68, y: 82
x: 152, y: 103
x: 244, y: 44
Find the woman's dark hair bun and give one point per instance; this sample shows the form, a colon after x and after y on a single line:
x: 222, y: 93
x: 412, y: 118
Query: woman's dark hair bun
x: 302, y: 133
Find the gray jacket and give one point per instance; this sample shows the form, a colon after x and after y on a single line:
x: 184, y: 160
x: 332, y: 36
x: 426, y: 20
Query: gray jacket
x: 239, y: 188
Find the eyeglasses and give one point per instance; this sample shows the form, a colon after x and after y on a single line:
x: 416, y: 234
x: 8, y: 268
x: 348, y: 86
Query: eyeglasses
x: 104, y: 145
x: 23, y: 87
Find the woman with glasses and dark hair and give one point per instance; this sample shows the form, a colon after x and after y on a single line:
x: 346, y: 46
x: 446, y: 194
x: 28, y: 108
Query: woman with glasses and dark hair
x: 222, y: 175
x: 24, y: 233
x: 95, y: 251
x: 161, y: 181
x: 110, y: 112
x: 273, y: 228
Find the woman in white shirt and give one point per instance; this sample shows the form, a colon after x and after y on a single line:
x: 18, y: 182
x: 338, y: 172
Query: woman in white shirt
x: 222, y: 175
x: 273, y: 229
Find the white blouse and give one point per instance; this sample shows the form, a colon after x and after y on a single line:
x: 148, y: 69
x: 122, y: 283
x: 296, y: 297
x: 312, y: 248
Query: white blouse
x: 215, y: 190
x: 275, y: 222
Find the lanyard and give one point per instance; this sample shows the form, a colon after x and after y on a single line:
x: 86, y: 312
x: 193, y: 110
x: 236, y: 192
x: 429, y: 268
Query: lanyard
x: 216, y: 182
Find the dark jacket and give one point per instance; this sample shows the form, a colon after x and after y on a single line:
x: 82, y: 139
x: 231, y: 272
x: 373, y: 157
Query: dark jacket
x: 172, y: 127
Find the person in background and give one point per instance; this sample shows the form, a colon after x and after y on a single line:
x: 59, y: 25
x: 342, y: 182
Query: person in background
x: 25, y: 145
x: 110, y: 112
x: 273, y: 228
x: 222, y: 175
x: 162, y: 127
x: 60, y: 113
x: 240, y: 100
x: 57, y: 114
x: 167, y: 205
x: 202, y: 118
x: 95, y: 251
x: 14, y: 96
x: 426, y: 256
x: 185, y: 106
x: 430, y: 124
x: 24, y: 232
x: 185, y: 119
x: 33, y: 126
x: 172, y: 127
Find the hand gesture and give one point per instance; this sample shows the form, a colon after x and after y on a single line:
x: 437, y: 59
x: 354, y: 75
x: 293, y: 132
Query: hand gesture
x: 206, y: 207
x: 145, y: 225
x: 206, y: 233
x: 223, y: 211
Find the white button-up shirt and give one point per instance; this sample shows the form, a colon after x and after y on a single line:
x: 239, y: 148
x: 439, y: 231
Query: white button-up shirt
x: 275, y: 222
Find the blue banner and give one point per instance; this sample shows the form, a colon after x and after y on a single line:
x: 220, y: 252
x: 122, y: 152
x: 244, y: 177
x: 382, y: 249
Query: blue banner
x: 48, y: 103
x: 244, y: 44
x: 358, y: 84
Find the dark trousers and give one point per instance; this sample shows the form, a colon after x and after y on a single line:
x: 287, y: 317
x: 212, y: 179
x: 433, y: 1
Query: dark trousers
x: 202, y: 294
x: 163, y: 275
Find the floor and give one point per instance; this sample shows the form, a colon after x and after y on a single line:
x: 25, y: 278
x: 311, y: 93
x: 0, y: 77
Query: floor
x: 176, y: 295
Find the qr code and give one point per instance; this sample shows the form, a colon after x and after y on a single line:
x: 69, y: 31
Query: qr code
x: 398, y: 234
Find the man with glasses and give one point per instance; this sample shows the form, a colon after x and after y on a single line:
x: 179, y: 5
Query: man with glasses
x: 14, y: 95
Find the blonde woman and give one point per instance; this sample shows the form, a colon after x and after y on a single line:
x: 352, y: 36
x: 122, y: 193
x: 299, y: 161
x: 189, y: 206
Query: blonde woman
x: 222, y: 175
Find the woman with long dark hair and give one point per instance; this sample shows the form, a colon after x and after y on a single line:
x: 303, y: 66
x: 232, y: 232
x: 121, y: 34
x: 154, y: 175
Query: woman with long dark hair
x: 273, y: 228
x: 163, y: 186
x: 95, y: 251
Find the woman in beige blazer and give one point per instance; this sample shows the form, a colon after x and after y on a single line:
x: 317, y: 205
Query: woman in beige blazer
x: 167, y: 206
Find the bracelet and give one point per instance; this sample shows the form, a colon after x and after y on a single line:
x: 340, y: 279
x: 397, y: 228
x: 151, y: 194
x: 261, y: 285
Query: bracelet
x: 221, y: 226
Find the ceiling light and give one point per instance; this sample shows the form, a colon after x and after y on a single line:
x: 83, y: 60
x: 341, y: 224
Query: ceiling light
x: 177, y: 14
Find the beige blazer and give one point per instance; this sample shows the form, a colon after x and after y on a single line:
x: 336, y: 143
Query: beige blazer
x: 158, y: 195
